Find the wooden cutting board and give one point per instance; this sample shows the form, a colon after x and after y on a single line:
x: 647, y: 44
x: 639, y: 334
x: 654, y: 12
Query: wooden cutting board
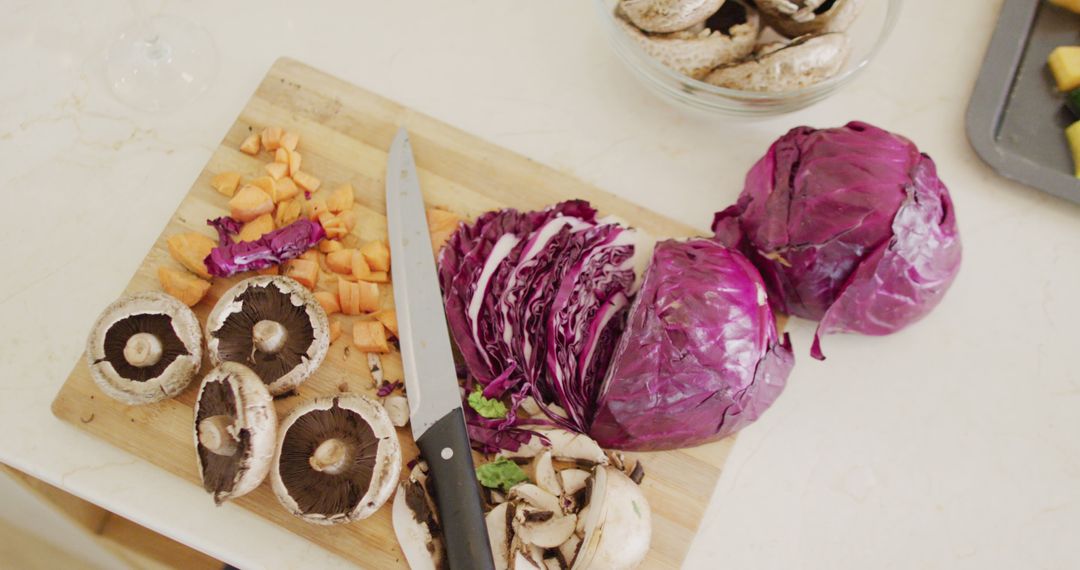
x: 345, y: 132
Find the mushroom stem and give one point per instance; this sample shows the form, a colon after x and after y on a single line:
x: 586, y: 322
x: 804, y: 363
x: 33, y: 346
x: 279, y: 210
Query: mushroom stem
x: 142, y: 350
x: 269, y: 336
x: 331, y: 457
x: 216, y: 436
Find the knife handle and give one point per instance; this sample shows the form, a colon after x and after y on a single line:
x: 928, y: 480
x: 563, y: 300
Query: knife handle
x: 445, y: 447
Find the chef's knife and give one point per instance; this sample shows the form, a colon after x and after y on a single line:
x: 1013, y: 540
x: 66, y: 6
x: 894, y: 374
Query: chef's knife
x: 435, y: 414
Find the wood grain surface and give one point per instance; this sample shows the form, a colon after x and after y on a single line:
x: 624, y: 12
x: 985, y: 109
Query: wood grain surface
x: 345, y: 132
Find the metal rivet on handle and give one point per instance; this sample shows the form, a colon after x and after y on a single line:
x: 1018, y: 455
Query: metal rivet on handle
x: 447, y: 453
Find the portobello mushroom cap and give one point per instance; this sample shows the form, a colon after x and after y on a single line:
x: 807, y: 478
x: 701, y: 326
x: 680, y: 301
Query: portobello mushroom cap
x: 663, y: 16
x: 144, y: 348
x: 274, y: 326
x: 794, y: 19
x: 728, y: 35
x: 235, y: 429
x: 779, y: 67
x: 337, y: 459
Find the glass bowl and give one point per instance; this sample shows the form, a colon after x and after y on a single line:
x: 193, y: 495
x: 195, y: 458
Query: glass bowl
x: 867, y: 35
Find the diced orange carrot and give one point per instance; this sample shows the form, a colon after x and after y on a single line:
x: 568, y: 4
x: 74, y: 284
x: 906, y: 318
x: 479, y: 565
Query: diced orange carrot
x: 351, y: 241
x: 328, y: 301
x: 378, y: 277
x: 226, y: 182
x: 377, y: 254
x: 287, y: 212
x: 190, y: 249
x: 349, y: 297
x: 310, y: 255
x: 330, y: 246
x: 249, y: 203
x: 271, y: 138
x: 272, y: 270
x: 369, y: 296
x: 182, y: 285
x: 441, y: 225
x: 281, y: 155
x: 254, y: 229
x: 370, y: 336
x: 285, y: 189
x: 341, y: 199
x: 348, y: 220
x: 303, y: 270
x: 305, y: 181
x: 340, y: 261
x: 250, y: 145
x: 294, y: 167
x: 289, y: 140
x: 389, y: 320
x: 316, y: 206
x: 333, y: 226
x: 266, y: 184
x: 335, y: 329
x: 277, y: 170
x: 360, y: 268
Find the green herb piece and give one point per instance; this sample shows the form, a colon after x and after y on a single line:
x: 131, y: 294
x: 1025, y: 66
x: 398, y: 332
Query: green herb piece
x: 488, y: 408
x: 500, y: 474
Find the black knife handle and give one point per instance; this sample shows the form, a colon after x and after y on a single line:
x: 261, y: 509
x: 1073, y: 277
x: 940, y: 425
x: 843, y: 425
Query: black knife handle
x: 445, y: 447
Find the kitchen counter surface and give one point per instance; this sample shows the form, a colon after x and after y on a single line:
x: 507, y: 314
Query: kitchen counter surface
x: 950, y: 445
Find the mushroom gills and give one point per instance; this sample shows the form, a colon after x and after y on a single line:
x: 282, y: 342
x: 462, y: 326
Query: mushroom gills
x: 141, y: 346
x: 216, y: 409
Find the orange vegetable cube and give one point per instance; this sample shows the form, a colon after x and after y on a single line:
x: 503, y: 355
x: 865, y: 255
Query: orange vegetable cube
x: 285, y: 189
x: 310, y: 255
x: 349, y: 297
x: 316, y: 207
x: 329, y: 302
x: 369, y: 296
x: 305, y: 180
x: 377, y: 254
x: 183, y: 285
x: 360, y: 269
x: 254, y: 229
x: 277, y: 170
x: 441, y: 225
x: 226, y: 183
x: 389, y: 320
x: 333, y: 226
x: 303, y: 270
x: 341, y: 199
x: 266, y: 184
x: 289, y: 140
x: 250, y: 145
x: 287, y: 212
x: 271, y: 138
x: 272, y: 270
x: 335, y: 329
x: 249, y: 203
x: 340, y: 261
x: 330, y: 246
x: 378, y: 277
x: 348, y: 220
x: 281, y: 155
x: 190, y: 249
x: 370, y: 336
x: 294, y: 166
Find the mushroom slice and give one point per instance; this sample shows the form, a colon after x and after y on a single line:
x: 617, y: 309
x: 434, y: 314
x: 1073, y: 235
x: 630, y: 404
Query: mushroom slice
x: 809, y: 16
x: 617, y: 522
x: 235, y: 425
x: 535, y: 496
x: 415, y: 526
x: 144, y: 348
x: 397, y: 407
x: 573, y: 480
x: 337, y: 459
x: 528, y: 450
x: 545, y: 529
x: 498, y: 529
x: 728, y: 35
x: 546, y: 478
x: 662, y: 16
x: 800, y: 63
x: 274, y: 326
x: 568, y: 446
x: 569, y: 549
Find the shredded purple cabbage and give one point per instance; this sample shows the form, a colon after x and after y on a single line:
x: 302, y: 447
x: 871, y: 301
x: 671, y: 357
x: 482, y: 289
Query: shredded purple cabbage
x: 273, y: 248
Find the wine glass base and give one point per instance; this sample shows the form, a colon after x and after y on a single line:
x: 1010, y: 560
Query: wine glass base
x: 160, y: 63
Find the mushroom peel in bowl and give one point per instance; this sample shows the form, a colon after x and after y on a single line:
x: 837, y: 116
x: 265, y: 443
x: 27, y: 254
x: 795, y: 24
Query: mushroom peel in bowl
x: 144, y: 348
x: 727, y: 35
x: 274, y: 326
x: 778, y: 67
x: 663, y: 16
x: 235, y: 428
x: 809, y: 16
x: 337, y: 459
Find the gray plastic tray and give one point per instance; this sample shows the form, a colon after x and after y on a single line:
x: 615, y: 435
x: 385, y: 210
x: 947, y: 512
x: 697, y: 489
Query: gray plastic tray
x: 1016, y: 118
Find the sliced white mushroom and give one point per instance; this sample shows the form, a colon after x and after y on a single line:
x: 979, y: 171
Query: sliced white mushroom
x: 546, y: 478
x: 773, y: 68
x: 527, y: 450
x: 536, y: 497
x: 569, y: 446
x: 573, y: 480
x: 660, y: 16
x: 546, y: 531
x: 569, y: 548
x: 397, y: 407
x: 413, y: 527
x: 726, y: 36
x: 375, y: 367
x: 531, y: 408
x: 522, y: 561
x: 498, y: 535
x: 497, y: 498
x: 618, y: 523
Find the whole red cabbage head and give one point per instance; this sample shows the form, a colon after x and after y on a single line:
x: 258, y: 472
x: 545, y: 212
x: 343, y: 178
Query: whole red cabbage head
x: 700, y: 357
x: 850, y: 226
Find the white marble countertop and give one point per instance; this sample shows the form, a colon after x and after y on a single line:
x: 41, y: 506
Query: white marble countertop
x: 950, y: 445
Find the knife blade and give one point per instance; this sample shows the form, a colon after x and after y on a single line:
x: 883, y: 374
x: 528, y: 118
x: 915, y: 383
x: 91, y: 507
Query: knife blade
x: 435, y: 413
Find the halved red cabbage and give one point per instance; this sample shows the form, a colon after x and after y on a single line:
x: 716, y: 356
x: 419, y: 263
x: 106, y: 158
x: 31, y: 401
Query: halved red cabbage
x: 700, y: 357
x: 850, y: 226
x: 535, y: 302
x: 273, y: 248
